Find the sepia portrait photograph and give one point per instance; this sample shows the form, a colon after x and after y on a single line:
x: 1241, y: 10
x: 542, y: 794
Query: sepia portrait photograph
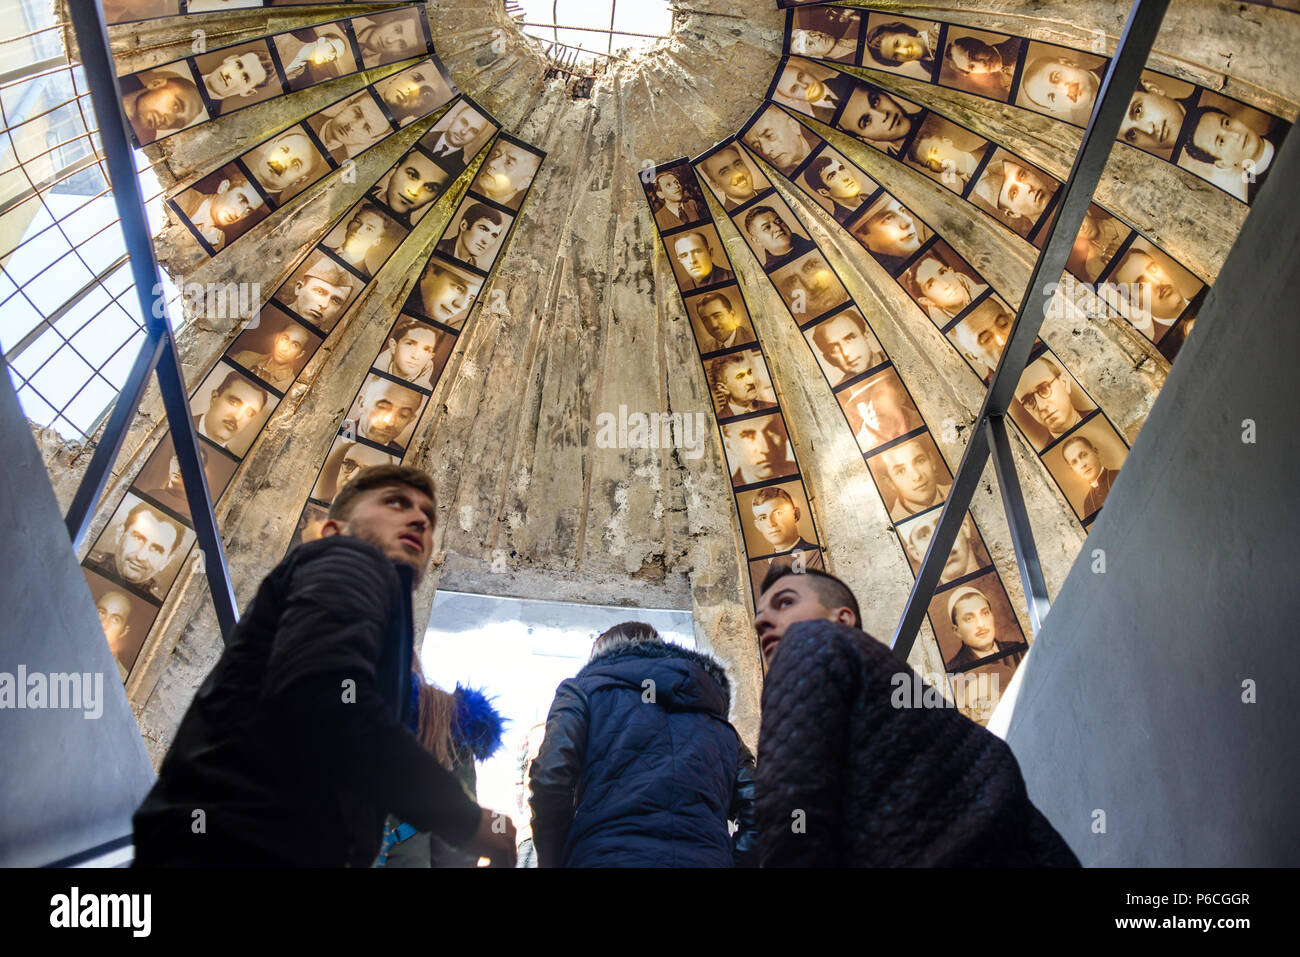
x: 1149, y: 289
x: 974, y: 624
x: 411, y: 187
x: 388, y: 37
x: 1086, y: 463
x: 506, y: 174
x: 364, y: 239
x: 740, y: 383
x: 837, y: 184
x: 698, y: 258
x: 319, y: 291
x: 772, y: 231
x: 942, y: 283
x: 879, y: 410
x: 1100, y: 235
x: 674, y: 195
x: 125, y: 617
x: 778, y: 138
x: 1014, y: 192
x: 475, y: 234
x: 346, y: 458
x: 1230, y: 145
x: 826, y: 33
x: 879, y: 118
x: 456, y: 138
x: 809, y: 287
x: 803, y: 558
x: 734, y: 178
x: 720, y: 320
x: 125, y: 11
x: 415, y: 92
x: 239, y: 76
x: 287, y: 164
x: 385, y: 412
x: 1049, y: 401
x: 142, y: 548
x: 891, y: 232
x: 1060, y: 82
x: 162, y: 101
x: 313, y: 55
x: 902, y: 45
x: 977, y: 691
x: 276, y: 348
x: 221, y: 207
x: 309, y: 525
x: 160, y: 480
x: 812, y: 89
x: 945, y: 152
x: 445, y: 293
x: 982, y: 334
x: 911, y: 476
x: 979, y: 62
x: 348, y: 129
x: 776, y: 518
x: 845, y: 346
x: 1156, y: 113
x: 415, y: 352
x: 757, y: 450
x: 229, y: 409
x: 968, y: 555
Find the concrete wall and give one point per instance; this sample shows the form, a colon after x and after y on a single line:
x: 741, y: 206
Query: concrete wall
x: 1136, y: 699
x: 70, y: 780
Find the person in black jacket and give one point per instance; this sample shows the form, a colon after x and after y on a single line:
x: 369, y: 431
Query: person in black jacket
x: 296, y: 744
x: 639, y: 766
x: 848, y: 779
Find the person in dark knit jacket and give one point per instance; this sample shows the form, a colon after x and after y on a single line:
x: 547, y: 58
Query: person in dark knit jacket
x: 296, y: 744
x: 639, y: 766
x: 845, y: 779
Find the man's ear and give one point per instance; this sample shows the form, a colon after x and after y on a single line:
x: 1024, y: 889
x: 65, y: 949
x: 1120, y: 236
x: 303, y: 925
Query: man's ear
x: 154, y: 82
x: 224, y: 187
x: 823, y: 191
x: 844, y: 616
x: 332, y: 527
x: 796, y: 513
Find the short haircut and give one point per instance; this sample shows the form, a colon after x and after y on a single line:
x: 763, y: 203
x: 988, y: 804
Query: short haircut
x: 817, y: 169
x: 478, y: 211
x: 768, y: 494
x: 233, y: 377
x: 379, y: 476
x: 623, y: 635
x: 158, y: 517
x: 819, y: 333
x: 713, y: 297
x: 1190, y: 148
x: 832, y: 592
x: 696, y: 233
x: 405, y: 325
x: 758, y: 211
x: 1065, y: 446
x: 719, y: 365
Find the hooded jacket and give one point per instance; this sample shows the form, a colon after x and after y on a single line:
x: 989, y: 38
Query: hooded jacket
x: 640, y: 767
x: 295, y: 745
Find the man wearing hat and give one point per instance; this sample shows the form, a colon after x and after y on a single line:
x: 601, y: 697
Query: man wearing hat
x: 972, y: 619
x: 322, y: 294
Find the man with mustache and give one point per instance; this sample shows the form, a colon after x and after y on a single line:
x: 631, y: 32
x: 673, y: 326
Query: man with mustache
x: 232, y: 407
x: 477, y: 237
x: 298, y: 743
x: 972, y: 620
x: 142, y: 548
x: 385, y: 413
x: 736, y: 387
x: 728, y: 170
x: 412, y: 352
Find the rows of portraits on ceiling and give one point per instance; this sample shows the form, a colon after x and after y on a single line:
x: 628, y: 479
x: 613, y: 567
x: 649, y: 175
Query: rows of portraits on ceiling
x: 134, y: 564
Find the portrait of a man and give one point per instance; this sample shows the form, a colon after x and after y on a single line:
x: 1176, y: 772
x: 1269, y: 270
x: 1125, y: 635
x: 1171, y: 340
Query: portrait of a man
x: 475, y: 235
x: 222, y: 207
x: 841, y: 187
x: 779, y: 520
x: 161, y: 102
x: 1156, y: 114
x: 276, y: 349
x: 1014, y: 192
x: 141, y: 548
x: 385, y: 413
x: 1084, y: 460
x: 416, y: 352
x: 507, y: 173
x: 1100, y: 236
x: 1149, y: 288
x: 445, y: 294
x: 967, y: 556
x: 809, y: 286
x: 811, y: 89
x: 1230, y: 145
x: 161, y: 481
x: 891, y: 232
x: 415, y: 92
x: 979, y: 628
x: 942, y: 283
x: 1085, y: 470
x: 826, y: 33
x: 740, y: 384
x: 732, y: 177
x: 982, y: 335
x: 287, y: 164
x: 757, y: 450
x: 345, y: 460
x: 674, y: 199
x: 911, y: 476
x: 411, y: 187
x: 239, y: 76
x: 979, y: 62
x: 229, y: 409
x: 388, y: 37
x: 878, y: 118
x: 698, y: 260
x: 1048, y: 397
x: 350, y: 128
x: 721, y: 320
x: 780, y: 139
x: 315, y: 54
x: 364, y: 239
x: 845, y: 346
x: 773, y: 233
x: 1060, y: 82
x: 319, y: 291
x: 946, y: 152
x: 456, y: 138
x: 124, y: 617
x: 879, y: 410
x: 902, y: 45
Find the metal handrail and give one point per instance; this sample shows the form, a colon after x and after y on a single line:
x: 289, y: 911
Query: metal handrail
x: 989, y: 432
x: 158, y: 352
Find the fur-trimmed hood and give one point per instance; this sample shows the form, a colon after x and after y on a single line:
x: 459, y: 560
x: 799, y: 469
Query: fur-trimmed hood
x: 683, y: 679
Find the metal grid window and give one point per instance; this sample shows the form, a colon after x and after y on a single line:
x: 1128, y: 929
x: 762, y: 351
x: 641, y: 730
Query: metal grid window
x: 588, y: 33
x: 70, y: 323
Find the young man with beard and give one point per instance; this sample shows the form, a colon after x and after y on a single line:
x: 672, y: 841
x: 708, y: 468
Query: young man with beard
x: 296, y: 744
x: 874, y: 785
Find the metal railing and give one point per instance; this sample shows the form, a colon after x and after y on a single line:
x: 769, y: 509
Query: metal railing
x: 989, y: 435
x: 158, y: 353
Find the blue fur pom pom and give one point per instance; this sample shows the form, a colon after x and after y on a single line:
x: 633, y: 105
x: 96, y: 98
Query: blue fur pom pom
x: 478, y: 725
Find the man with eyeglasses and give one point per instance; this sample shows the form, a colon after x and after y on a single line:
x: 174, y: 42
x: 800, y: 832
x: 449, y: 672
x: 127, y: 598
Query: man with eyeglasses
x: 1044, y: 391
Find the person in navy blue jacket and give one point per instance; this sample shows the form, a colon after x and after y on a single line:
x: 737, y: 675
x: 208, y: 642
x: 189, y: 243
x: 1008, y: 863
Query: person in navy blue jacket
x: 639, y: 766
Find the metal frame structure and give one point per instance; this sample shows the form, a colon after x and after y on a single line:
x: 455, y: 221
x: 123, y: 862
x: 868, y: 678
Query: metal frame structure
x: 989, y: 435
x: 158, y: 353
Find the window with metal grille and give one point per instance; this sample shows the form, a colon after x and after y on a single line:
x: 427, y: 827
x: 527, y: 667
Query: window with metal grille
x: 584, y: 35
